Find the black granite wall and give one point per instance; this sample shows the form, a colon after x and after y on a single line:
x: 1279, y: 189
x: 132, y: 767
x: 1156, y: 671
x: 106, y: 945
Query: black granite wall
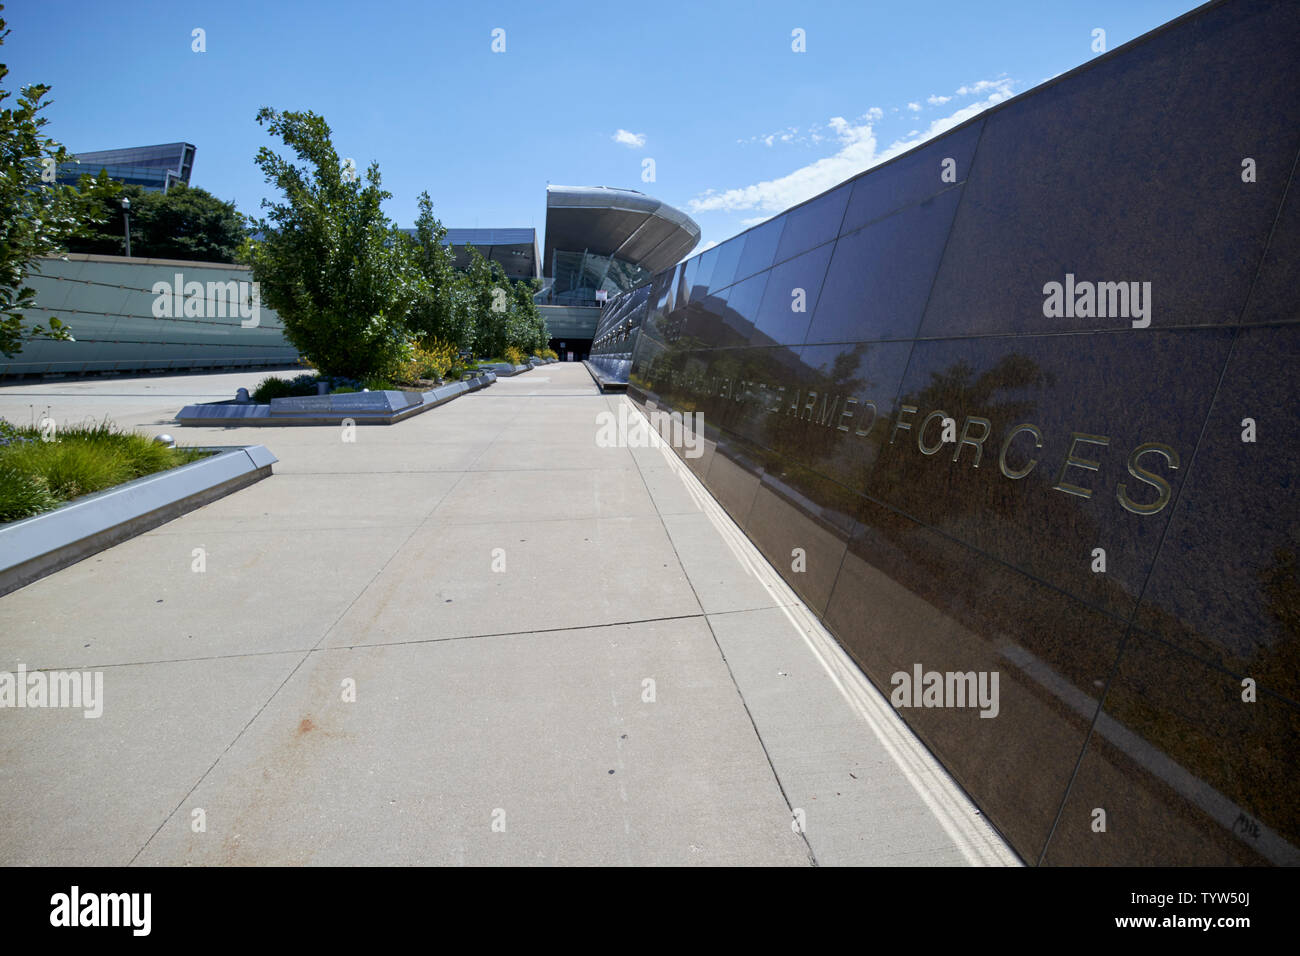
x: 831, y: 348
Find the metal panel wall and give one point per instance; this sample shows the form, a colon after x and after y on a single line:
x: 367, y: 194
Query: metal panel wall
x: 111, y: 304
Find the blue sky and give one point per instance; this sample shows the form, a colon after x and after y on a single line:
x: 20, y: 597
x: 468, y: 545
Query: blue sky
x: 738, y: 124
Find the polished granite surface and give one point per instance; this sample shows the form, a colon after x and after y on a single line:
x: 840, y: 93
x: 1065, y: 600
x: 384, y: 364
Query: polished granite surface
x: 961, y: 476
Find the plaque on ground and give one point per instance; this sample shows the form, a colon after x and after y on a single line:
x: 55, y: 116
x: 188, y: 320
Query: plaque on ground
x: 384, y: 402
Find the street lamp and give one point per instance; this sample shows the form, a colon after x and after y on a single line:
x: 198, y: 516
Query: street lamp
x: 126, y: 211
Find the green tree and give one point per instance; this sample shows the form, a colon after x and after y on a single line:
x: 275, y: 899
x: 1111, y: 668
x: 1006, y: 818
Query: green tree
x: 37, y: 214
x: 186, y: 222
x: 527, y: 323
x: 331, y: 264
x: 436, y: 314
x: 486, y: 295
x: 106, y: 236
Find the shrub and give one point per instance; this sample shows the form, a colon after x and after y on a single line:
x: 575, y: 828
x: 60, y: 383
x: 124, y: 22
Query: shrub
x: 22, y: 496
x: 269, y: 388
x: 144, y: 456
x: 514, y: 356
x: 70, y: 468
x: 431, y: 361
x: 275, y: 387
x: 140, y: 455
x: 548, y: 354
x: 37, y: 475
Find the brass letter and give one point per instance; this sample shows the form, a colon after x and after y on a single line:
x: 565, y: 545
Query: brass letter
x: 780, y: 400
x: 1147, y: 477
x: 920, y: 433
x: 1006, y: 443
x: 1085, y: 463
x: 899, y: 423
x: 978, y: 443
x: 826, y: 413
x: 862, y: 431
x: 846, y: 413
x: 808, y: 408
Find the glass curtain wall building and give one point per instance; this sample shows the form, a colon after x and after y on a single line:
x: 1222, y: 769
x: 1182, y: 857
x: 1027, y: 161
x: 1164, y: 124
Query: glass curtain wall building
x: 515, y: 250
x: 156, y: 168
x: 605, y: 240
x: 616, y: 334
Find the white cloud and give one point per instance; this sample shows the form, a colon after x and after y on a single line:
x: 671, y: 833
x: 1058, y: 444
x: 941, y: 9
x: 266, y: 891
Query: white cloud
x: 626, y: 138
x: 791, y: 134
x: 914, y: 107
x: 702, y: 247
x: 857, y: 152
x: 1001, y: 85
x: 875, y: 113
x: 935, y: 99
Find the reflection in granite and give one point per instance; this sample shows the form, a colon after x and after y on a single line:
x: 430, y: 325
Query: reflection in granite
x: 1186, y: 771
x: 907, y: 595
x: 759, y: 249
x: 880, y: 276
x: 733, y: 477
x: 794, y: 520
x: 958, y: 479
x: 790, y: 298
x: 816, y: 221
x: 913, y: 177
x: 1044, y: 497
x: 1227, y: 585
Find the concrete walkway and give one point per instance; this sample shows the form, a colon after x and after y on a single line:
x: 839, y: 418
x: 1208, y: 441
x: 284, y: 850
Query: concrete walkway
x: 559, y: 654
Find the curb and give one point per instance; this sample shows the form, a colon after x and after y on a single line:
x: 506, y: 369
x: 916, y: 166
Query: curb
x: 49, y: 542
x: 604, y: 382
x: 362, y: 408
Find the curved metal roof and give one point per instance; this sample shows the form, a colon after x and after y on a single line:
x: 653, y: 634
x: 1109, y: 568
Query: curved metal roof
x: 622, y: 223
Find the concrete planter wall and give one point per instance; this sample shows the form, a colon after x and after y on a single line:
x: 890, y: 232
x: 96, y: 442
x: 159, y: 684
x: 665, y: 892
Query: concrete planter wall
x: 362, y: 408
x: 505, y: 369
x: 604, y: 380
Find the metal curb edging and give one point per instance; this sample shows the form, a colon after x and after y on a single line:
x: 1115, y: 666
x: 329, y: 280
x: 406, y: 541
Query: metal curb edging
x: 37, y: 546
x: 257, y: 415
x: 606, y: 384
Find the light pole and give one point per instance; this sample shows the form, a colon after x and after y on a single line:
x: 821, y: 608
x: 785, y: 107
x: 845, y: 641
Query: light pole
x: 126, y: 212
